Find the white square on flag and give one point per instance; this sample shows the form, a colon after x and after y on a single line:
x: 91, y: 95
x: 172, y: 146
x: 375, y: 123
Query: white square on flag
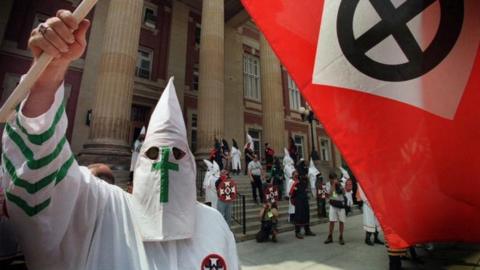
x: 437, y: 89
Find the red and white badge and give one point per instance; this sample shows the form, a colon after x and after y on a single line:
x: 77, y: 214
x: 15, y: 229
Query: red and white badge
x: 213, y: 262
x: 227, y: 191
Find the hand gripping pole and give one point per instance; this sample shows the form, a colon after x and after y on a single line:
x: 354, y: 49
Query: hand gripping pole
x: 23, y: 88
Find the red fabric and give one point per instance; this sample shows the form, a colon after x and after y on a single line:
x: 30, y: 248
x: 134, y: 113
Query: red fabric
x: 291, y: 193
x: 418, y: 170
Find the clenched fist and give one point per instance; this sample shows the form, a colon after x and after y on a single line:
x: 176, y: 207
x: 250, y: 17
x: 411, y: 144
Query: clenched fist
x: 61, y: 37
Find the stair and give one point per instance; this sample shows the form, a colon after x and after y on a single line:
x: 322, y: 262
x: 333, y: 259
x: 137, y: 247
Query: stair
x: 253, y: 211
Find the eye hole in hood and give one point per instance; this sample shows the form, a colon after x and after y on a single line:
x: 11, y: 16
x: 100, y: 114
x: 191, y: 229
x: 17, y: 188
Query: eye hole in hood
x: 152, y: 153
x: 177, y: 153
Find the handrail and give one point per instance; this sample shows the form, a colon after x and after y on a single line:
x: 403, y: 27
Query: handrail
x: 239, y: 213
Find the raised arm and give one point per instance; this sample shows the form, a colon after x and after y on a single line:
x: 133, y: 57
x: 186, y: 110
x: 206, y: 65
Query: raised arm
x: 38, y: 165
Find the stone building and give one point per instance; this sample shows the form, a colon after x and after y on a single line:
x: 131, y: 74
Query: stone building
x: 227, y: 77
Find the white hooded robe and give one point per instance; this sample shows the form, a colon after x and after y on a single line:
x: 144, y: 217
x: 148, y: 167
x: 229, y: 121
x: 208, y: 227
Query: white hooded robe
x: 312, y: 176
x: 137, y: 145
x: 370, y: 222
x: 210, y: 189
x: 236, y: 156
x: 66, y: 218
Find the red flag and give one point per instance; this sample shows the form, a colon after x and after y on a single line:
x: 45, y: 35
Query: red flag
x: 396, y: 85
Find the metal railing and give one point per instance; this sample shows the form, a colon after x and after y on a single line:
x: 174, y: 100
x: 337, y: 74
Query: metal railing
x: 199, y: 181
x: 239, y: 214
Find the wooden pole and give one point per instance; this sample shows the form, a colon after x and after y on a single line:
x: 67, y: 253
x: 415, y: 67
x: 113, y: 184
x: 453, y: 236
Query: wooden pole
x: 23, y: 88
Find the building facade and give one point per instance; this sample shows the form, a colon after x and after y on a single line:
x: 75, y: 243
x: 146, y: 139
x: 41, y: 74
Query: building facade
x: 228, y: 79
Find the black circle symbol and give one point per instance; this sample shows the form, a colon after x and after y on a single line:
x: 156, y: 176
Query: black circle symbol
x: 394, y: 22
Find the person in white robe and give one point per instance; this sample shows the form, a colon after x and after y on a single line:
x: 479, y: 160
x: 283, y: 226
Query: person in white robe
x: 206, y: 179
x: 370, y: 222
x: 288, y: 168
x: 66, y: 218
x: 210, y: 189
x: 137, y: 145
x: 291, y: 207
x: 313, y: 172
x: 236, y: 158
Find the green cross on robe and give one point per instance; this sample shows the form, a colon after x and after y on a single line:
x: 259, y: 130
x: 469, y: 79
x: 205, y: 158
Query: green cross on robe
x: 164, y: 166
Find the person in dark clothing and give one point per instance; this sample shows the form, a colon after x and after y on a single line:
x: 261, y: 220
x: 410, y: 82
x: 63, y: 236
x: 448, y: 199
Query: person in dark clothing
x: 218, y: 156
x: 321, y: 196
x: 276, y: 174
x: 292, y: 150
x: 269, y: 153
x: 299, y: 197
x: 248, y: 156
x: 226, y: 155
x: 269, y: 219
x: 255, y: 172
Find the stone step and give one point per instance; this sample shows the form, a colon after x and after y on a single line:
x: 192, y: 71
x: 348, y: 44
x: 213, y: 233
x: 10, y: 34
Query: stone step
x: 283, y: 226
x: 254, y: 223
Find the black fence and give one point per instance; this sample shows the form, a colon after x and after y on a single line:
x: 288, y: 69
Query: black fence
x: 199, y: 181
x: 239, y: 212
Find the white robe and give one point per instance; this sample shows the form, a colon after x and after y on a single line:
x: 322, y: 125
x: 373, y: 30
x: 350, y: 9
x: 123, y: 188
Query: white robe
x: 211, y: 191
x: 136, y: 150
x: 66, y: 218
x: 236, y: 156
x: 291, y: 207
x: 288, y: 173
x: 370, y: 222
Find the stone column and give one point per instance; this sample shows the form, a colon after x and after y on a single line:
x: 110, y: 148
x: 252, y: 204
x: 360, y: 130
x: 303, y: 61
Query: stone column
x: 234, y: 108
x: 272, y: 97
x: 89, y: 76
x: 5, y: 10
x: 177, y: 55
x: 110, y: 124
x: 211, y: 85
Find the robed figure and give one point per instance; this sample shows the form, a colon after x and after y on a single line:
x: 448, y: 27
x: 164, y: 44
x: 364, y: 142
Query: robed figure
x: 66, y: 218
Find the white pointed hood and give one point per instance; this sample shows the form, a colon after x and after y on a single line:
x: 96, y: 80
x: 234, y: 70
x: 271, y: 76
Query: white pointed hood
x: 345, y: 175
x: 312, y: 170
x: 250, y: 142
x: 208, y: 173
x: 215, y: 170
x: 143, y: 131
x: 312, y: 177
x: 164, y: 192
x: 287, y: 160
x: 288, y: 166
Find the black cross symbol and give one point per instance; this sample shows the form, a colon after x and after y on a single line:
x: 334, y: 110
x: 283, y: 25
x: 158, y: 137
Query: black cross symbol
x: 394, y: 22
x: 214, y: 266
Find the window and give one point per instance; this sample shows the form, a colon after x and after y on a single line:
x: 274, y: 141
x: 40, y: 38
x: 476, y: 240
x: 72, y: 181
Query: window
x: 68, y: 91
x: 193, y: 132
x: 325, y: 154
x: 144, y: 63
x: 9, y: 83
x: 139, y: 113
x: 198, y: 31
x: 195, y: 77
x: 257, y: 139
x: 299, y: 143
x: 150, y: 16
x: 251, y: 77
x: 294, y: 95
x: 39, y: 18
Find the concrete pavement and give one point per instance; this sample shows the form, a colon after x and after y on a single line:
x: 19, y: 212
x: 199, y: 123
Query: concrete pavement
x: 311, y: 254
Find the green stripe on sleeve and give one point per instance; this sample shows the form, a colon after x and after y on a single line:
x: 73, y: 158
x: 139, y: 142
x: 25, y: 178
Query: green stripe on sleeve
x: 28, y: 153
x: 62, y: 172
x: 39, y: 139
x: 32, y: 188
x: 29, y: 210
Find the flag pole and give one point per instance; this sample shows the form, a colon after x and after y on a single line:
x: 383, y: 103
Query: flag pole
x: 23, y: 88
